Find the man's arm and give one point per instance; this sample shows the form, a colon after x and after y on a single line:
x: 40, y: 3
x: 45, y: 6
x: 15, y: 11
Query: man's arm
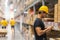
x: 41, y: 32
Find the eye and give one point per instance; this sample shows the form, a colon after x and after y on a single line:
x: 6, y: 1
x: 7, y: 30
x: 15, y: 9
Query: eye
x: 44, y: 12
x: 39, y: 12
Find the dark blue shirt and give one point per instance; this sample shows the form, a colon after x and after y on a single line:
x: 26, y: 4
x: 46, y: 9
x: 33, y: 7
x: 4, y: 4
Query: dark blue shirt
x: 39, y: 23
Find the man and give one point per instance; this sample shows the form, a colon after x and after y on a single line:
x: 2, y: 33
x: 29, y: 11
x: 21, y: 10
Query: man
x: 39, y: 27
x: 4, y: 23
x: 12, y: 22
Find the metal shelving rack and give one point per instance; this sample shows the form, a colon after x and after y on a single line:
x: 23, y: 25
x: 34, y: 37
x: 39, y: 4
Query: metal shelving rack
x: 21, y: 6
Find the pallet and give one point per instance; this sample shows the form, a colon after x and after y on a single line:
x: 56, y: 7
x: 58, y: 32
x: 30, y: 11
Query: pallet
x: 3, y: 32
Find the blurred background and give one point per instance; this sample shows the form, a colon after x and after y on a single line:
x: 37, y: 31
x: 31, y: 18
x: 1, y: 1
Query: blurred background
x: 24, y: 13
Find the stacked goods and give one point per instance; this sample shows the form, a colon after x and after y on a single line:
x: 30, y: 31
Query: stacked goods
x: 57, y: 12
x: 28, y: 2
x: 56, y: 26
x: 25, y: 33
x: 30, y: 19
x: 3, y: 32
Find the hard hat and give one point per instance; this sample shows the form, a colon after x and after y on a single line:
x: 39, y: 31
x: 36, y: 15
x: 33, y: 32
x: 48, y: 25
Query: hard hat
x: 43, y: 8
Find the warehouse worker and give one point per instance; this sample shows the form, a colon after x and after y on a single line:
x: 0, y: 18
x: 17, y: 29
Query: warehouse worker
x: 4, y: 23
x: 39, y: 27
x: 12, y: 22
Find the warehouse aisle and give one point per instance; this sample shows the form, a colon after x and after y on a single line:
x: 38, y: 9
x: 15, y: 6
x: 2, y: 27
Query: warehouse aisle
x: 16, y: 35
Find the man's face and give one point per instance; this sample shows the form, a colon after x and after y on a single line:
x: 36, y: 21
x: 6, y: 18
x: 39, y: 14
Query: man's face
x: 42, y: 13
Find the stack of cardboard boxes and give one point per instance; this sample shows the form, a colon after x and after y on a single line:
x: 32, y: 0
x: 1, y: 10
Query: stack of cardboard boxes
x: 57, y: 12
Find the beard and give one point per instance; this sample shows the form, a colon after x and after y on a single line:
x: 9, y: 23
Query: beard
x: 43, y: 16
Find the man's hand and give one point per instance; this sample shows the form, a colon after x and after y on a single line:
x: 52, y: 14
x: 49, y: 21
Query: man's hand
x: 49, y: 29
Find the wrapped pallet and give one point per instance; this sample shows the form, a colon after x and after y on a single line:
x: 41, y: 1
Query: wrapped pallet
x: 3, y: 32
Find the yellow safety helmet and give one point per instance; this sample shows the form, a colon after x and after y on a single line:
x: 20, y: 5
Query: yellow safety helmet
x: 43, y: 8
